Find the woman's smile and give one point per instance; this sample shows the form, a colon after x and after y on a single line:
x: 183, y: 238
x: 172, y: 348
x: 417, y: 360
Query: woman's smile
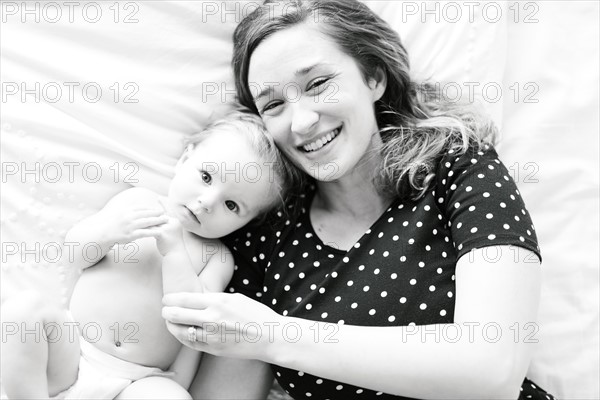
x: 321, y: 141
x: 331, y: 118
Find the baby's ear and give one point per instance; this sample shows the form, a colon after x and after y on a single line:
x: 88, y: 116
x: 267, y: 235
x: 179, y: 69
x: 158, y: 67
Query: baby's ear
x: 221, y: 110
x: 185, y: 156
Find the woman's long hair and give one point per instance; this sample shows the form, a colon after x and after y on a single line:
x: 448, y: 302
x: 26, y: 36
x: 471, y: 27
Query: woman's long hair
x: 417, y: 125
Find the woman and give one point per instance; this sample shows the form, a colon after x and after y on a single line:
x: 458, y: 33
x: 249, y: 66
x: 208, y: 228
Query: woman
x: 407, y: 265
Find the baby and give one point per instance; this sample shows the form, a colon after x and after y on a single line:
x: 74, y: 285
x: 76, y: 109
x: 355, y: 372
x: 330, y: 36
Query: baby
x: 114, y: 342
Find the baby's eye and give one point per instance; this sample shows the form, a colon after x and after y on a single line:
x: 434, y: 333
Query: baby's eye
x: 231, y: 205
x: 206, y: 177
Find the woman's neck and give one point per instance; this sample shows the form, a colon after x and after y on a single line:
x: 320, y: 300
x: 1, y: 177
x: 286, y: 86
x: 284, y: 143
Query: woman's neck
x: 354, y: 194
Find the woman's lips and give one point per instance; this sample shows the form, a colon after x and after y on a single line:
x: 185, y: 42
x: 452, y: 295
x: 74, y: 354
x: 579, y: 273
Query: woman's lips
x: 321, y: 142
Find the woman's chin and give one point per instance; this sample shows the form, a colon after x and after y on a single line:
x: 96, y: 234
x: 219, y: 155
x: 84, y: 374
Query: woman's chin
x: 325, y: 172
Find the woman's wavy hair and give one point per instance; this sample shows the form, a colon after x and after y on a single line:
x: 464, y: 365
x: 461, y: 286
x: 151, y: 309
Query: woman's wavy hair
x: 417, y: 124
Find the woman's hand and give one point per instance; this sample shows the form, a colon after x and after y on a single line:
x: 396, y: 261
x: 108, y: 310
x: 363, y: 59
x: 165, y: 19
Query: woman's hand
x: 231, y: 325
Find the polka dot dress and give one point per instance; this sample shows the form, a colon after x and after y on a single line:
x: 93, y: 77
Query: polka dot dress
x: 400, y: 272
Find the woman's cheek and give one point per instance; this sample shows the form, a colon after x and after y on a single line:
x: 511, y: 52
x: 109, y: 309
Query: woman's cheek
x: 276, y: 130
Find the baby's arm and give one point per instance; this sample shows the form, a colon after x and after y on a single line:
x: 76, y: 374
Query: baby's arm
x: 210, y: 270
x: 185, y: 366
x: 214, y: 276
x: 122, y: 220
x: 178, y: 271
x: 180, y: 275
x: 218, y: 270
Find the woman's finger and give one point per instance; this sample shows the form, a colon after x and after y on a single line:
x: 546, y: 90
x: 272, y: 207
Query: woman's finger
x: 184, y: 334
x: 185, y: 316
x: 199, y: 301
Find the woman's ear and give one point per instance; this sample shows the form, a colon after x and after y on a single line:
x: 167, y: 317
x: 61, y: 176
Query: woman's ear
x: 378, y: 84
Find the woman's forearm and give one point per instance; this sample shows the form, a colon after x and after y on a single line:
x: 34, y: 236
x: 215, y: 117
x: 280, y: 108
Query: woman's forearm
x: 483, y: 354
x: 434, y: 361
x: 231, y: 378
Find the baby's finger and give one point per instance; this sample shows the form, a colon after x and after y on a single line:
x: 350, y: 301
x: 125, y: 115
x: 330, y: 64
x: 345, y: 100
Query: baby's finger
x: 144, y: 233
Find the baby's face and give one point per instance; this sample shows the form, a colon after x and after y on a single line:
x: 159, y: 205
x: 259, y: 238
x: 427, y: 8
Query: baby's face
x: 221, y: 185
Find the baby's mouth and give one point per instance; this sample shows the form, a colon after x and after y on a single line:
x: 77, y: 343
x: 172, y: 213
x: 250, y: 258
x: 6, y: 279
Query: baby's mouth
x: 321, y: 142
x: 191, y: 214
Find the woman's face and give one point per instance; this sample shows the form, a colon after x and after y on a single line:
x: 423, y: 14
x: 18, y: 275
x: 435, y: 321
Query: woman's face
x: 314, y: 101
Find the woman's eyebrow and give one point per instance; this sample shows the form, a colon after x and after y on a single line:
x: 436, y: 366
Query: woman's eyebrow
x: 307, y: 70
x: 300, y: 72
x: 266, y: 91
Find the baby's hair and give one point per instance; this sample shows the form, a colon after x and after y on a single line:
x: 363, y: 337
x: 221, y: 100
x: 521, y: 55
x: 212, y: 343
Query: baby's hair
x: 249, y: 125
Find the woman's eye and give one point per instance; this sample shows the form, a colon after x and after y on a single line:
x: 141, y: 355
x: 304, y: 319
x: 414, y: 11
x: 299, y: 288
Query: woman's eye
x: 231, y: 205
x: 270, y: 106
x: 317, y: 82
x: 206, y: 177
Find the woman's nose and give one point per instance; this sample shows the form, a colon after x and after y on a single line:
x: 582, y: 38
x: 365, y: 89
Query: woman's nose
x: 303, y: 118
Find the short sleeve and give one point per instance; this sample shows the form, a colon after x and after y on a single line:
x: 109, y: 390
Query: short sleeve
x: 249, y: 247
x: 482, y: 202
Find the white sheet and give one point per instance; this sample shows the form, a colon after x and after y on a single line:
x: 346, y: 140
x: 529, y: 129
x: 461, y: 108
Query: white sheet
x: 177, y: 54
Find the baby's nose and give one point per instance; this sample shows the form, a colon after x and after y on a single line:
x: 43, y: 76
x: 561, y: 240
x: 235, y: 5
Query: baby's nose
x: 206, y: 203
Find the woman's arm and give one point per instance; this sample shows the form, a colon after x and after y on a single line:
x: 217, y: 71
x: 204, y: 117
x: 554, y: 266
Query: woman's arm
x: 482, y: 355
x: 459, y: 360
x: 231, y: 378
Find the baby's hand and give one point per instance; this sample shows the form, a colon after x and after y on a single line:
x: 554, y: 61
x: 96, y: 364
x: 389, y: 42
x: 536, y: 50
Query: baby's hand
x: 169, y: 237
x: 124, y: 225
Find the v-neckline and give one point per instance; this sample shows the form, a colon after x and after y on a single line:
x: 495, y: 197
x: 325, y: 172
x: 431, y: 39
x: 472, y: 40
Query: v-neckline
x: 313, y: 231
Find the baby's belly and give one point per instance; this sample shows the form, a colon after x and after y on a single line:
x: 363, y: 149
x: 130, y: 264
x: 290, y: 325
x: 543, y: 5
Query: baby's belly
x: 118, y: 308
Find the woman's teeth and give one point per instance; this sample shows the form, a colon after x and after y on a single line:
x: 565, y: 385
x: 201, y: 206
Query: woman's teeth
x: 319, y: 143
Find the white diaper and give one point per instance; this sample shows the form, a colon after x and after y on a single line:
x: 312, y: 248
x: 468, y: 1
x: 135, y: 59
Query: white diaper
x: 103, y: 376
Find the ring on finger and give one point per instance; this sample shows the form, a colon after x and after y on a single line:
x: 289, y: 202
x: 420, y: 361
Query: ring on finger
x: 192, y: 333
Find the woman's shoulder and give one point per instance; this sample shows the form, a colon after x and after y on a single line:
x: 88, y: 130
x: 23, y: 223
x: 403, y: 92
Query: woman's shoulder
x: 466, y: 159
x: 474, y: 189
x: 474, y: 168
